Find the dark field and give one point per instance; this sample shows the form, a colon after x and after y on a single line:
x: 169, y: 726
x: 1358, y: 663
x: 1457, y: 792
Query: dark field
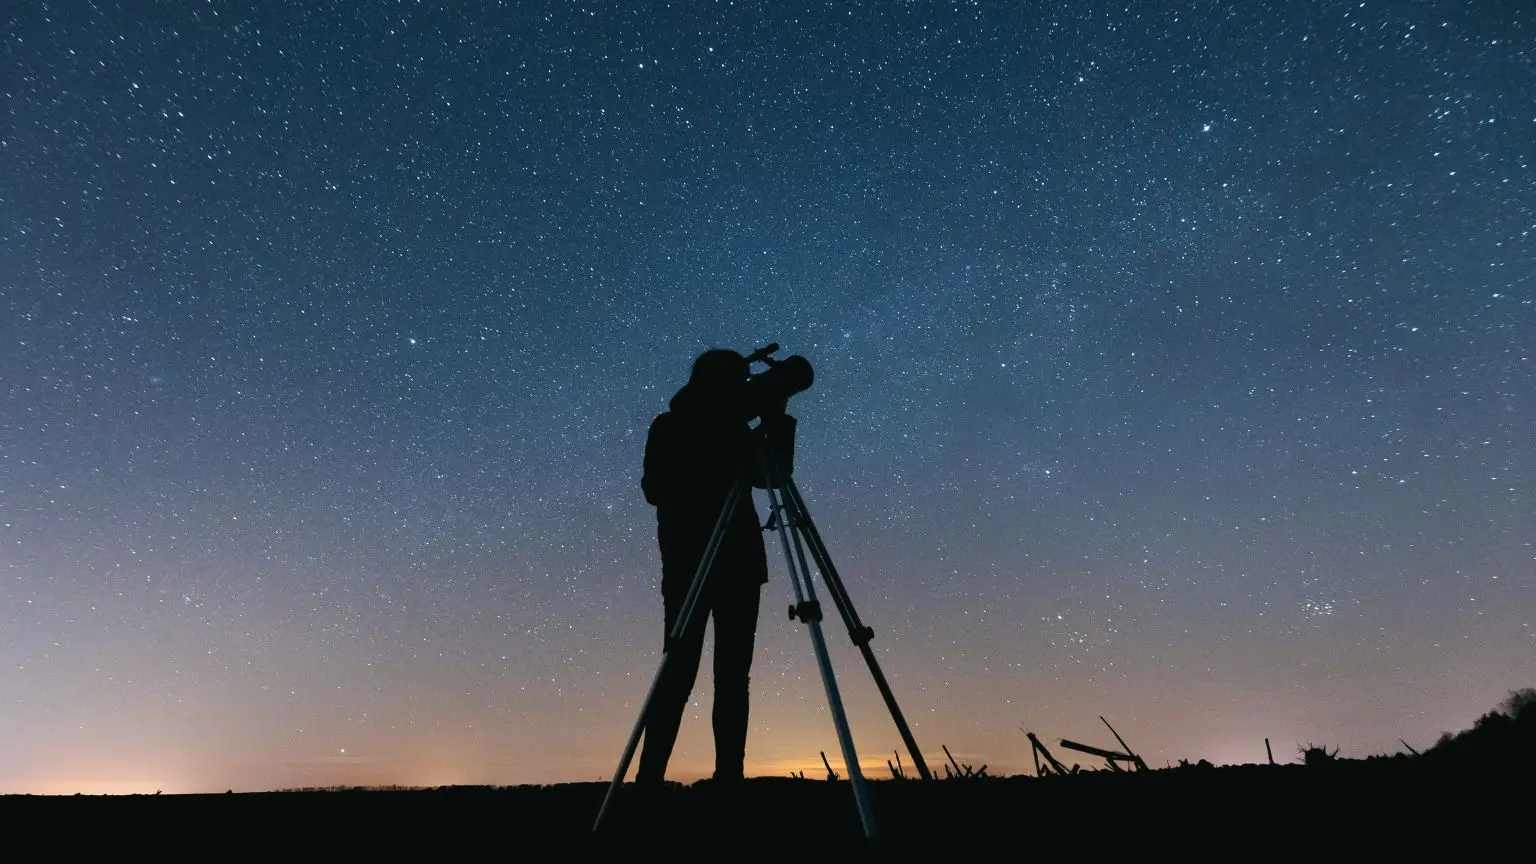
x: 1412, y: 805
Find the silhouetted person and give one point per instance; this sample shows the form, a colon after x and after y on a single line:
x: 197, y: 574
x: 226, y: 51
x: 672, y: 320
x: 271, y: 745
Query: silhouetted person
x: 693, y: 456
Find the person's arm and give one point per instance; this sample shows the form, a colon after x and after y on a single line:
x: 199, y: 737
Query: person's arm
x: 660, y: 465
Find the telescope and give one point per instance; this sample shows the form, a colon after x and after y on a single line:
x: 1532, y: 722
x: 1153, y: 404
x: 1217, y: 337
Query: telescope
x: 783, y: 379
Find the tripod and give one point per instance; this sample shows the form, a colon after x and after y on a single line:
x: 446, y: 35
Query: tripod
x: 796, y: 533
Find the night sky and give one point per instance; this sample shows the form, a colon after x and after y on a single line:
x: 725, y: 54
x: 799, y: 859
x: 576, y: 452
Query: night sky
x: 1174, y: 363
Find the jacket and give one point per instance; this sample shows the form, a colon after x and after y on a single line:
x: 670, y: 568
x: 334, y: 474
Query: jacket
x: 694, y: 453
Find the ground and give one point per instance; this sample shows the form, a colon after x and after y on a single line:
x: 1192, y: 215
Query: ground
x: 1411, y: 805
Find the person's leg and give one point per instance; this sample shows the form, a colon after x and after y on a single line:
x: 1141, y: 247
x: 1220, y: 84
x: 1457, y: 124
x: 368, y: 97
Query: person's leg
x: 672, y: 691
x: 735, y: 635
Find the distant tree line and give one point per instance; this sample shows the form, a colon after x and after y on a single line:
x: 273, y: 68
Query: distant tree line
x: 1505, y: 735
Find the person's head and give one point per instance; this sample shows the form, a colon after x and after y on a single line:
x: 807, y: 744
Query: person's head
x: 719, y: 370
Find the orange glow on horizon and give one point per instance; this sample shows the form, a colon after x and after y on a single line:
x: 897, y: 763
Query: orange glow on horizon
x: 89, y: 786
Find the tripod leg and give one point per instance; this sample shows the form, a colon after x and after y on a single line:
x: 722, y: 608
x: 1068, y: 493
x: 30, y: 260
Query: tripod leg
x: 856, y: 629
x: 809, y: 611
x: 684, y: 619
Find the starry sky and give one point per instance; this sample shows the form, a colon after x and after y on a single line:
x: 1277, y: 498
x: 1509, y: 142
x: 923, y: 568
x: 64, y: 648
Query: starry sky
x: 1174, y: 363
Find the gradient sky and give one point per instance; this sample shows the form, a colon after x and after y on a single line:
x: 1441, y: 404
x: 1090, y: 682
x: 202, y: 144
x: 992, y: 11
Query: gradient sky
x: 1174, y: 364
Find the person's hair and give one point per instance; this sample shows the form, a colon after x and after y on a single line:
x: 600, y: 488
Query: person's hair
x: 719, y: 367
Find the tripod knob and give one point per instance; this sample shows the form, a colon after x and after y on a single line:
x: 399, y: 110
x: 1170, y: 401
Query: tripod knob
x: 807, y: 611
